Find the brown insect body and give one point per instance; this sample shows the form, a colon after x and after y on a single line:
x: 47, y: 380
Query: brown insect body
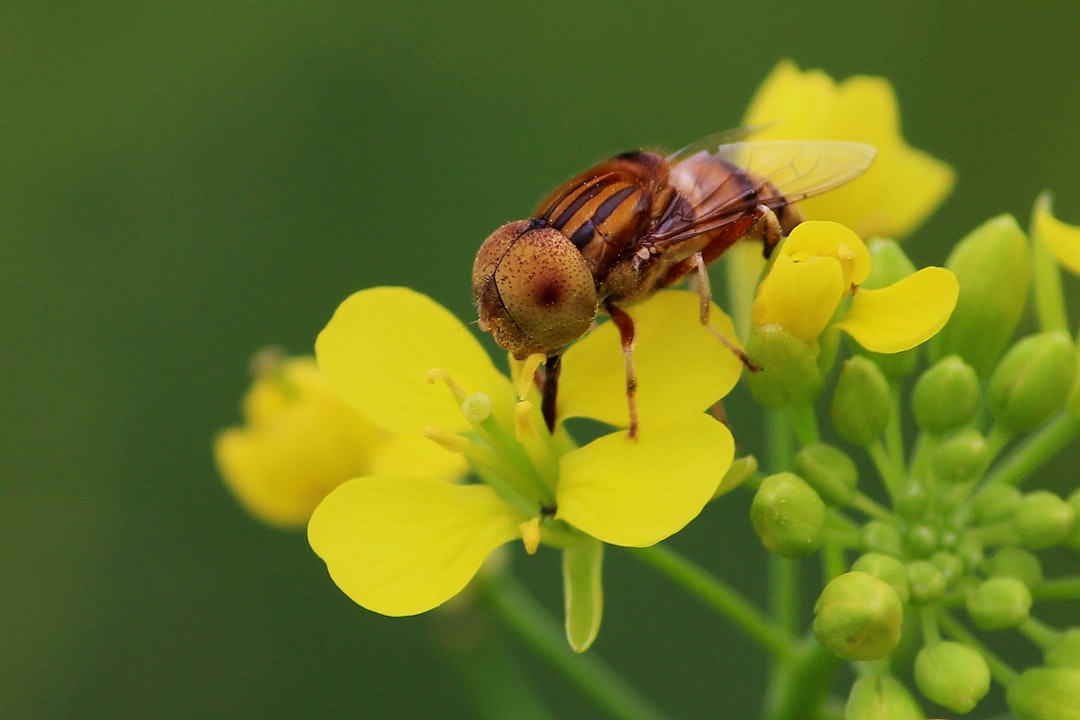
x: 627, y: 227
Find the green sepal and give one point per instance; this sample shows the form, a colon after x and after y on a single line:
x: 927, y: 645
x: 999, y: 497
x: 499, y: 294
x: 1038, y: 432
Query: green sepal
x: 952, y: 674
x: 788, y: 516
x: 583, y: 591
x: 1045, y: 694
x: 1026, y: 388
x: 946, y: 396
x: 993, y: 266
x: 858, y: 617
x: 788, y: 373
x: 861, y: 405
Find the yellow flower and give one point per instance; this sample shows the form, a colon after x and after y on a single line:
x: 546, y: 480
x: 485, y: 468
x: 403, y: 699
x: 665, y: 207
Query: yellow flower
x: 300, y: 441
x: 823, y: 262
x: 1061, y: 238
x: 404, y: 543
x: 902, y: 187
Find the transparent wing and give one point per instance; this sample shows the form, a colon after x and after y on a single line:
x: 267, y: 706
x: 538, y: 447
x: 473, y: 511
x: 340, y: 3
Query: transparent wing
x: 721, y: 184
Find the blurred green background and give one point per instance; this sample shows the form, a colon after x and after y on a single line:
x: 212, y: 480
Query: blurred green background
x: 182, y: 183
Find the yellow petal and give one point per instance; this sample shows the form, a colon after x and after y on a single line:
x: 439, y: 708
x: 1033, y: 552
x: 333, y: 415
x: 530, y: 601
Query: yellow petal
x: 792, y: 105
x: 903, y: 186
x: 903, y: 315
x: 300, y: 443
x: 822, y: 238
x: 1062, y: 239
x: 400, y: 546
x: 405, y: 455
x: 681, y: 367
x: 379, y: 347
x: 637, y: 492
x: 800, y: 297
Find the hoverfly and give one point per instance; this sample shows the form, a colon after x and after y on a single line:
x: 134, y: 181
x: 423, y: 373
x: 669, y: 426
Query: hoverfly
x: 627, y: 227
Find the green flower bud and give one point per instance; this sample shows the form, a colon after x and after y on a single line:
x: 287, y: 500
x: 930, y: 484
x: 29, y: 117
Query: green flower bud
x: 880, y: 536
x: 993, y: 267
x: 881, y: 697
x: 1073, y: 540
x: 996, y: 503
x: 789, y: 373
x: 921, y: 540
x: 961, y: 457
x: 889, y: 265
x: 861, y: 405
x: 946, y: 396
x: 912, y: 499
x: 1042, y: 519
x: 1045, y: 694
x: 970, y: 550
x: 829, y: 470
x: 1017, y: 563
x: 1026, y: 387
x: 887, y: 568
x: 1066, y: 651
x: 926, y: 581
x: 741, y: 470
x: 999, y: 603
x: 952, y: 674
x: 858, y: 617
x: 950, y: 565
x: 788, y: 515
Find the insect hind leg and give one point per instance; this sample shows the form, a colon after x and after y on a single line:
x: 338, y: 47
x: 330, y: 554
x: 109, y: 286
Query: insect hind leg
x: 705, y: 292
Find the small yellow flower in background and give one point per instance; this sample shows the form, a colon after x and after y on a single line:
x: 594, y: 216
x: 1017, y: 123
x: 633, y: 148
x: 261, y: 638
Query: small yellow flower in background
x: 821, y: 263
x: 300, y: 441
x: 1062, y: 239
x: 405, y: 543
x: 901, y: 188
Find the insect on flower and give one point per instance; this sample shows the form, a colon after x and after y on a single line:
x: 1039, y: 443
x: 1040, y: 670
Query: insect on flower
x: 639, y: 222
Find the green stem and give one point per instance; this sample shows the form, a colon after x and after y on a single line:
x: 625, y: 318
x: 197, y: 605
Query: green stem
x: 891, y: 473
x: 1058, y: 589
x: 520, y: 611
x: 1039, y: 447
x: 804, y: 422
x: 894, y: 431
x: 998, y: 668
x: 800, y: 691
x: 721, y: 597
x: 928, y: 619
x: 493, y: 674
x: 1040, y: 633
x: 870, y: 507
x: 833, y: 562
x: 1049, y: 298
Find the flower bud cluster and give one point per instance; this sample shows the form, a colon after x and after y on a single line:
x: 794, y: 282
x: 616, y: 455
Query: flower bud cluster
x: 957, y: 546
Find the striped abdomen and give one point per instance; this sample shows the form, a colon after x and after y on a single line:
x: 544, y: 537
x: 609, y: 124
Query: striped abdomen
x: 605, y: 209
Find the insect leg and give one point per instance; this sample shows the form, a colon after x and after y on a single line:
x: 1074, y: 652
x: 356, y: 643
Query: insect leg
x: 552, y: 367
x: 769, y: 227
x: 706, y: 303
x: 625, y: 324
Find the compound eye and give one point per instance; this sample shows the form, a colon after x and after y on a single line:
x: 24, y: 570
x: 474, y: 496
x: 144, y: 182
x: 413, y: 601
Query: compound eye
x: 547, y: 288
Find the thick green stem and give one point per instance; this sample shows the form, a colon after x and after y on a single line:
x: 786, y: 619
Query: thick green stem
x: 520, y: 611
x: 998, y: 668
x: 1022, y: 462
x: 800, y: 689
x: 1059, y: 589
x: 721, y: 597
x: 1049, y: 298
